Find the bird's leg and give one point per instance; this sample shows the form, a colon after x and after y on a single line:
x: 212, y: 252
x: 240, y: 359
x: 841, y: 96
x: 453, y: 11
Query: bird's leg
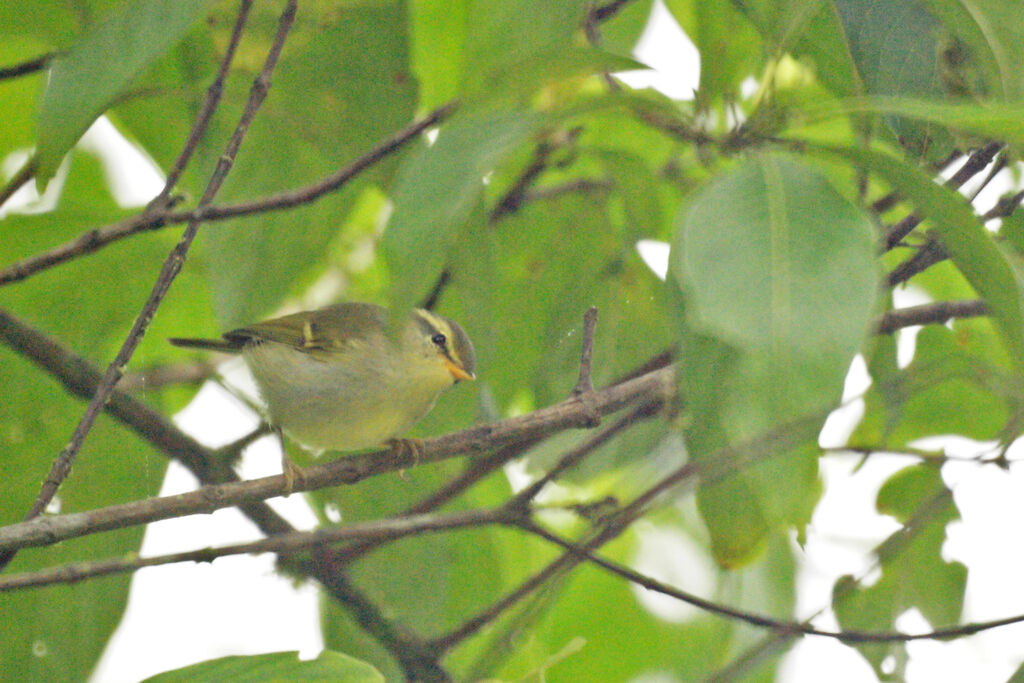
x: 290, y: 470
x: 414, y: 448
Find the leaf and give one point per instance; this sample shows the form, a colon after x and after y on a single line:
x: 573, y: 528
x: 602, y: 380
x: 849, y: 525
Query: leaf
x: 88, y: 79
x: 767, y: 334
x: 747, y: 256
x: 729, y: 46
x: 501, y: 34
x: 914, y: 574
x: 894, y: 46
x: 994, y: 38
x: 811, y: 30
x: 438, y: 49
x: 991, y: 120
x: 965, y: 239
x: 435, y: 191
x: 328, y: 667
x: 955, y: 384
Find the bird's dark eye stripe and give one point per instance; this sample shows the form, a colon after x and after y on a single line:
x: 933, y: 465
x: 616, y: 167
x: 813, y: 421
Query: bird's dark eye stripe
x: 439, y: 339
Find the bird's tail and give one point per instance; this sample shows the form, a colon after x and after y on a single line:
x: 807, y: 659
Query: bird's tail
x: 222, y: 345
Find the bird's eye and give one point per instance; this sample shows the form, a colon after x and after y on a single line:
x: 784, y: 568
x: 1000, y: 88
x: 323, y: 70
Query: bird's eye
x: 439, y: 339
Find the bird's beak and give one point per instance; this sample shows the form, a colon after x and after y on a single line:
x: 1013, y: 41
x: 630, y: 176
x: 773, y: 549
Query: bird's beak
x: 457, y: 371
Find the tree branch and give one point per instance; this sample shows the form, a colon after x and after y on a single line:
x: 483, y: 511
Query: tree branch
x: 345, y: 470
x: 170, y: 269
x: 936, y: 313
x: 378, y: 530
x: 29, y: 66
x: 975, y: 164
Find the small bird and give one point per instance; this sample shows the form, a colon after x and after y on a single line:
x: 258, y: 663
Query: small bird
x: 343, y: 377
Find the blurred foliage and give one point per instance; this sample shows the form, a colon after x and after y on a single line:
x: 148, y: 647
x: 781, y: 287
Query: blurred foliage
x: 524, y: 210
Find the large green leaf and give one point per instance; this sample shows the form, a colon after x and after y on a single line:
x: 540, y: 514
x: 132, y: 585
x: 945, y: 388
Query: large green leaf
x: 88, y: 79
x: 328, y: 667
x: 768, y: 334
x: 502, y: 34
x: 955, y: 384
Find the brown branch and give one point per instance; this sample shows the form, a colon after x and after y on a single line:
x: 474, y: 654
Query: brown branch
x: 584, y: 385
x: 1005, y: 206
x: 975, y: 163
x: 170, y: 269
x: 291, y: 542
x: 97, y: 238
x: 29, y: 66
x: 345, y: 470
x: 24, y: 174
x: 782, y: 626
x: 513, y: 199
x: 937, y: 313
x: 930, y: 253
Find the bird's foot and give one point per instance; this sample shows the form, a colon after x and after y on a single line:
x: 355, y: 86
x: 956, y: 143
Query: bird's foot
x: 292, y: 473
x: 407, y: 448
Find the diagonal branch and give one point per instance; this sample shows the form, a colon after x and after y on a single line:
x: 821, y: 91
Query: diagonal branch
x: 172, y: 266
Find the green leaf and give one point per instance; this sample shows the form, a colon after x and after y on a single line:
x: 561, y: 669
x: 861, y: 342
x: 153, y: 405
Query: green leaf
x: 502, y: 34
x: 914, y: 574
x: 747, y: 256
x: 993, y: 37
x: 990, y: 121
x: 964, y: 237
x: 438, y: 49
x: 954, y: 385
x: 894, y: 46
x: 88, y: 79
x: 768, y: 335
x: 328, y: 667
x: 813, y: 31
x: 729, y: 46
x: 435, y: 191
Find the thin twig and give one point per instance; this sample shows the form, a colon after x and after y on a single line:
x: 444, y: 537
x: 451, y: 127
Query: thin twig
x: 574, y: 456
x: 1005, y: 206
x: 97, y: 238
x: 24, y: 174
x: 29, y: 66
x: 778, y: 625
x: 975, y: 163
x: 584, y: 385
x: 210, y: 102
x: 170, y: 269
x: 936, y: 313
x: 381, y: 530
x: 930, y: 253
